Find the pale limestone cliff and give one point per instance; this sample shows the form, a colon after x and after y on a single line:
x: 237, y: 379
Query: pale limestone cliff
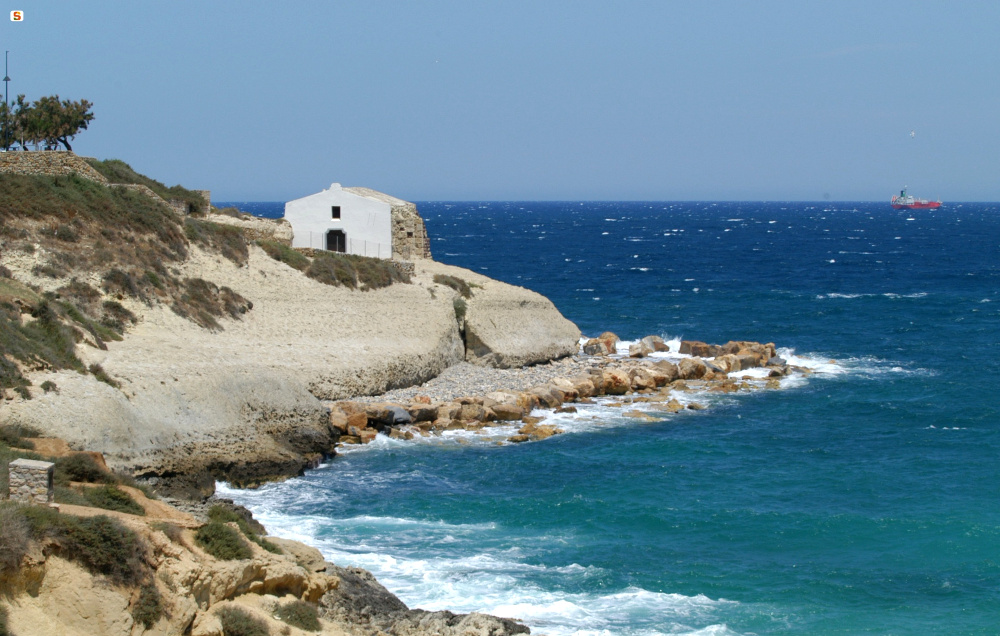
x: 244, y: 402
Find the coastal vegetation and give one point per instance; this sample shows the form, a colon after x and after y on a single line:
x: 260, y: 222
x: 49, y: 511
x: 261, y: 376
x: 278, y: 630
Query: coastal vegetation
x: 100, y: 544
x: 222, y: 542
x: 460, y: 285
x: 118, y: 172
x: 239, y: 622
x: 48, y: 122
x: 299, y: 614
x: 221, y: 514
x: 332, y: 268
x: 77, y: 230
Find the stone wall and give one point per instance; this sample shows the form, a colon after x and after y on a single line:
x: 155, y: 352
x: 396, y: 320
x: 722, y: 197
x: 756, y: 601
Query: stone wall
x: 30, y: 481
x: 257, y: 228
x: 409, y: 234
x: 207, y: 195
x: 50, y: 163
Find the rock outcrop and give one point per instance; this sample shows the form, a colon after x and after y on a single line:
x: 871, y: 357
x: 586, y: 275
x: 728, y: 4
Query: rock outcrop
x: 244, y: 403
x: 52, y: 595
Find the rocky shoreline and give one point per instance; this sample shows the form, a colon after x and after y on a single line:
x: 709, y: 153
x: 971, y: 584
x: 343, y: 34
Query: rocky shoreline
x: 466, y: 397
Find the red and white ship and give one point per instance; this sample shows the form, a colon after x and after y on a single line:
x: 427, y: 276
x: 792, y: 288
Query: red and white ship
x: 902, y: 201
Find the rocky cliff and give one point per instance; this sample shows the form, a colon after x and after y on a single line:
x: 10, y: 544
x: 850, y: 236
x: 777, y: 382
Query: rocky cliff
x: 243, y: 402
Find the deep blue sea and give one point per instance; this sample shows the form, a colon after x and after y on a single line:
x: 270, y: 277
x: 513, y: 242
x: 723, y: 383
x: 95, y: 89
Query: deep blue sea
x: 863, y: 499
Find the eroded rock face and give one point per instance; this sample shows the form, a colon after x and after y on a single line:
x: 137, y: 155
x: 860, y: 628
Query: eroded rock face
x: 362, y: 600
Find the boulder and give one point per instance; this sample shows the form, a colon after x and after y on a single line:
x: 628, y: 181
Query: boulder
x: 655, y: 343
x: 616, y: 382
x: 449, y: 411
x: 338, y: 420
x: 639, y: 415
x: 610, y: 339
x: 674, y: 406
x: 668, y: 369
x: 351, y: 407
x: 751, y: 360
x: 641, y: 379
x: 567, y: 388
x: 595, y: 347
x: 730, y: 348
x: 691, y: 369
x: 502, y: 397
x: 695, y: 348
x: 728, y: 362
x: 548, y: 396
x: 507, y: 412
x: 659, y: 378
x: 422, y: 412
x: 474, y: 412
x: 537, y: 432
x: 639, y: 350
x: 359, y: 420
x: 583, y: 385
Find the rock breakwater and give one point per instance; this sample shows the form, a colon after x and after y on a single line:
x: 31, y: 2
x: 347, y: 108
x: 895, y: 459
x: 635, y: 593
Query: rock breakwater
x: 472, y: 399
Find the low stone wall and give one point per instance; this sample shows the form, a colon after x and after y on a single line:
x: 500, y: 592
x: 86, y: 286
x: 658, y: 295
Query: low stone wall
x: 50, y: 163
x: 257, y: 229
x: 30, y: 481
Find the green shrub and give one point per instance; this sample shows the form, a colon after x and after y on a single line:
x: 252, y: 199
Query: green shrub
x: 122, y: 283
x: 100, y: 374
x: 14, y: 434
x: 49, y: 386
x: 148, y: 607
x: 331, y: 269
x: 222, y: 514
x: 117, y: 171
x: 203, y: 301
x: 14, y: 536
x: 299, y: 614
x: 353, y: 271
x: 116, y: 317
x: 111, y: 497
x: 67, y: 495
x: 222, y: 542
x: 102, y: 545
x: 80, y: 467
x: 239, y: 622
x: 228, y: 240
x: 284, y: 254
x: 455, y: 283
x: 172, y: 530
x: 460, y: 307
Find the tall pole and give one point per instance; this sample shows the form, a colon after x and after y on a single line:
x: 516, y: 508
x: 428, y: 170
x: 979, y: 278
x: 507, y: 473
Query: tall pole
x: 6, y: 101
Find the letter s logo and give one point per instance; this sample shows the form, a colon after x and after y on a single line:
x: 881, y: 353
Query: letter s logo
x: 16, y: 16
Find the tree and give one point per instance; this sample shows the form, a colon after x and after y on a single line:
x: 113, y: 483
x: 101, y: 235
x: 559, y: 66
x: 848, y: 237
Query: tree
x: 48, y: 120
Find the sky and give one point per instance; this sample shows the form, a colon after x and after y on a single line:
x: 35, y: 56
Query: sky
x: 540, y: 100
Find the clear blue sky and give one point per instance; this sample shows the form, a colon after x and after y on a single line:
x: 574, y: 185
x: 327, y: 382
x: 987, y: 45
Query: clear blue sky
x: 530, y: 100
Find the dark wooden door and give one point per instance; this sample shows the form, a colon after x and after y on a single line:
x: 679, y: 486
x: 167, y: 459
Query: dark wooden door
x: 336, y: 241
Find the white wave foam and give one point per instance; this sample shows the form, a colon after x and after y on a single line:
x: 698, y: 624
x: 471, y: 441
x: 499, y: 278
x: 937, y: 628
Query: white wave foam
x: 834, y: 295
x: 437, y: 574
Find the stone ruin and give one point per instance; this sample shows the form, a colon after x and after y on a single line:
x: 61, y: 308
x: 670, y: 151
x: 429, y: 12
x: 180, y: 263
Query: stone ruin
x: 30, y: 481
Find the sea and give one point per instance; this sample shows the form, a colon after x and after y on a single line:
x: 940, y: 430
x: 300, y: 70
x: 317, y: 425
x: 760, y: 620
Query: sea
x: 863, y: 498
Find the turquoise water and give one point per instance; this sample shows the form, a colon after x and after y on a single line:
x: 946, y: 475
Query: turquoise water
x: 862, y: 499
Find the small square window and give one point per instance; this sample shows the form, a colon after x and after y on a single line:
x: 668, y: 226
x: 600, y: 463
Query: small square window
x: 335, y: 210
